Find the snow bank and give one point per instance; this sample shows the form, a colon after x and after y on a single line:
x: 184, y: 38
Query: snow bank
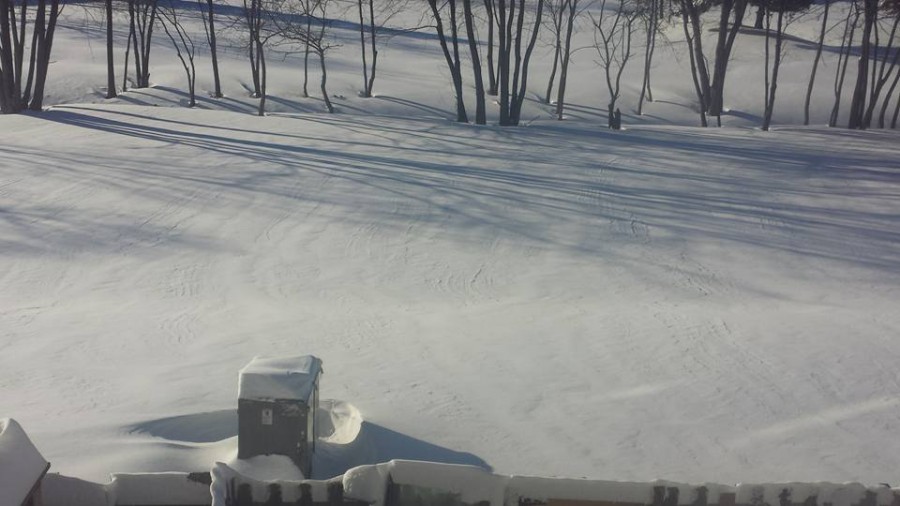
x: 227, y: 481
x: 370, y: 484
x: 21, y: 465
x: 267, y: 468
x: 542, y: 489
x: 279, y: 378
x: 58, y: 490
x: 159, y: 488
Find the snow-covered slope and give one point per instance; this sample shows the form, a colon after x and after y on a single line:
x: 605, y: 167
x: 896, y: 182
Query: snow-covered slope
x: 698, y: 305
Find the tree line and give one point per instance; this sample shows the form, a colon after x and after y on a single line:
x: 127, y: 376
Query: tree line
x: 496, y: 39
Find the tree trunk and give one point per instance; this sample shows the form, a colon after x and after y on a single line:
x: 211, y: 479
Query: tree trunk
x: 692, y: 53
x: 526, y: 61
x: 779, y: 40
x: 110, y: 65
x: 503, y: 63
x: 308, y: 15
x: 451, y: 62
x: 362, y: 47
x: 812, y: 75
x: 372, y: 33
x: 480, y: 116
x: 43, y: 59
x: 557, y: 47
x: 127, y: 55
x: 261, y: 59
x: 858, y: 100
x: 566, y: 56
x: 324, y: 82
x: 492, y: 76
x: 841, y: 70
x: 724, y: 44
x: 882, y: 77
x: 887, y: 99
x: 648, y: 55
x: 457, y: 74
x: 213, y: 50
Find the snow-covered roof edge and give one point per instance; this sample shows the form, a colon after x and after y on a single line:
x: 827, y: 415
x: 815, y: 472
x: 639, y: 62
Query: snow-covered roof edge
x: 270, y: 378
x: 21, y: 464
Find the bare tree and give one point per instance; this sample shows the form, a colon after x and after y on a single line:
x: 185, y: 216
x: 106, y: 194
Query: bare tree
x: 183, y: 44
x: 110, y: 66
x: 22, y: 86
x: 710, y: 85
x: 491, y: 24
x: 142, y: 18
x: 812, y: 74
x: 320, y: 45
x: 372, y: 22
x: 571, y: 10
x: 480, y: 115
x: 885, y: 69
x: 255, y: 22
x: 772, y: 82
x: 453, y: 62
x: 651, y: 12
x: 555, y: 15
x: 514, y: 64
x: 690, y: 11
x: 208, y: 12
x: 612, y: 40
x: 850, y: 23
x: 867, y: 48
x: 312, y: 33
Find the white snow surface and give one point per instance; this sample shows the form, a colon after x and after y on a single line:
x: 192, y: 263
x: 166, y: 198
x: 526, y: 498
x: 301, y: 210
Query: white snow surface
x: 157, y: 488
x: 21, y: 465
x: 268, y: 378
x: 700, y: 305
x: 267, y: 468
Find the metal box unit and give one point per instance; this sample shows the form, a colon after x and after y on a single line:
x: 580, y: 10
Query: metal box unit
x: 277, y: 403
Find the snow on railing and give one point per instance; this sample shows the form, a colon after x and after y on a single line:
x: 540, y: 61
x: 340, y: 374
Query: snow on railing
x: 412, y: 483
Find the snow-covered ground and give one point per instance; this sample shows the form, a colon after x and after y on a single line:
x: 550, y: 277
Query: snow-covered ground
x: 666, y: 301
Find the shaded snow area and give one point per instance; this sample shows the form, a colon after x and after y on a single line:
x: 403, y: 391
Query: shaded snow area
x: 557, y: 300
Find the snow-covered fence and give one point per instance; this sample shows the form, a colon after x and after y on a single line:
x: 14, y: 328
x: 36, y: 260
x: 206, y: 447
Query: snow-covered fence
x: 62, y: 490
x: 410, y: 483
x: 160, y: 489
x: 229, y: 487
x: 131, y: 489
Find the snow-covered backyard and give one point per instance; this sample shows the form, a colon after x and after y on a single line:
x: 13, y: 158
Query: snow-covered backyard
x: 556, y: 299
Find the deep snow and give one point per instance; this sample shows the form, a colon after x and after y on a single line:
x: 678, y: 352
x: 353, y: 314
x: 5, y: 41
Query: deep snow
x: 560, y: 300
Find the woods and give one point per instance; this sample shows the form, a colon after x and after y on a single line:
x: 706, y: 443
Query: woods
x: 489, y: 47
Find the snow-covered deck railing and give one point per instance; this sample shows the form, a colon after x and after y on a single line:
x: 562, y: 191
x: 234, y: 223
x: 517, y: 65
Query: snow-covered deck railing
x: 129, y: 489
x: 21, y: 465
x: 412, y: 483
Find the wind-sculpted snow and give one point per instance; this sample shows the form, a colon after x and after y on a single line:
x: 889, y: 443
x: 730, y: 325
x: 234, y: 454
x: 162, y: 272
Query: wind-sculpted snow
x: 552, y: 300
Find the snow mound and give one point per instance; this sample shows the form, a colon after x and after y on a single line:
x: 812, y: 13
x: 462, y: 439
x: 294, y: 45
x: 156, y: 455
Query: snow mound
x: 21, y: 465
x: 338, y: 422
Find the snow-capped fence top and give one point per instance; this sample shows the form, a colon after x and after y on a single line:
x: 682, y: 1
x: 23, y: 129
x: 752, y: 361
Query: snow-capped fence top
x: 279, y: 378
x: 21, y: 465
x: 412, y: 483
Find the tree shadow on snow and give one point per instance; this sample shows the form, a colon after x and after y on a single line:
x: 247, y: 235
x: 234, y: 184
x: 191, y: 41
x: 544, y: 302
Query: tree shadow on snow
x: 736, y: 185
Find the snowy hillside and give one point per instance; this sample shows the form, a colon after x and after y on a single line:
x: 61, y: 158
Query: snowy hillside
x: 557, y: 299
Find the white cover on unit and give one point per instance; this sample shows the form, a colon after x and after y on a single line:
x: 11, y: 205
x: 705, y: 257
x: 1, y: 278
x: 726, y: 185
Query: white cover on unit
x: 265, y: 379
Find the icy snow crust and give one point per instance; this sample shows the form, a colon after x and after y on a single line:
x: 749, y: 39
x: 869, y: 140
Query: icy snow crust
x: 21, y: 465
x: 279, y: 378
